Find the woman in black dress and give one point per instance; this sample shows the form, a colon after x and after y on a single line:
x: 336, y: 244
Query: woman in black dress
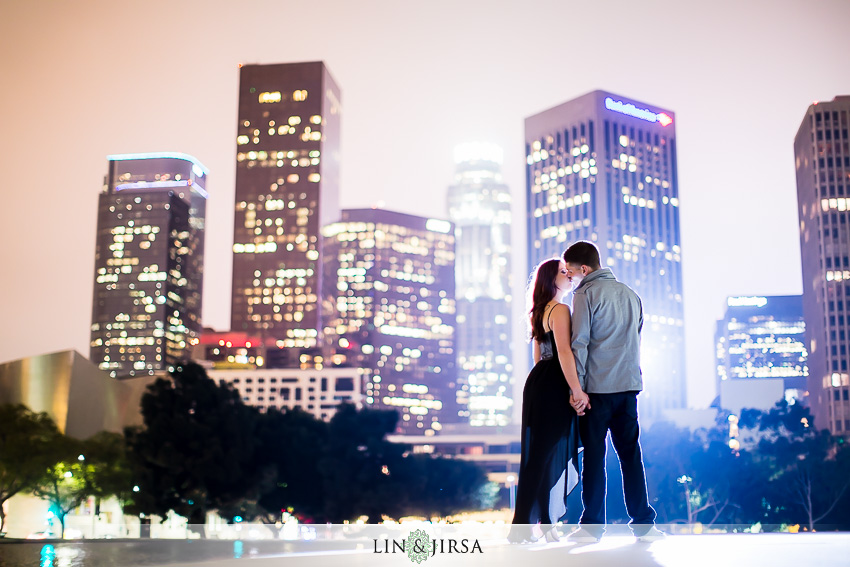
x: 548, y: 469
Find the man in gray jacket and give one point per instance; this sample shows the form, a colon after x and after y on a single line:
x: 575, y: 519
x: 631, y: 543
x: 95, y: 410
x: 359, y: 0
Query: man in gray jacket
x: 607, y: 320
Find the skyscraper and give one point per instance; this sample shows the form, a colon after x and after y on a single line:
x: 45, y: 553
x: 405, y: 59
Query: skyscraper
x: 149, y: 263
x: 823, y: 196
x: 763, y: 338
x: 287, y: 188
x: 389, y: 298
x: 602, y: 168
x: 480, y: 206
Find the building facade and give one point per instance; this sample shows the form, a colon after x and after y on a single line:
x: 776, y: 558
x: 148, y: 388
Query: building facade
x: 149, y: 263
x: 79, y: 397
x: 763, y: 338
x: 822, y: 159
x: 389, y: 300
x: 287, y: 188
x: 603, y: 168
x: 318, y: 391
x: 479, y: 205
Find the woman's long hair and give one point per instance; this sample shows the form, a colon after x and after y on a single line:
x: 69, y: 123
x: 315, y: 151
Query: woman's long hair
x: 541, y: 290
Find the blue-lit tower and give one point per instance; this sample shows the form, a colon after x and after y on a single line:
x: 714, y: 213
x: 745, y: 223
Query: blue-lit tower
x: 602, y: 168
x: 149, y: 262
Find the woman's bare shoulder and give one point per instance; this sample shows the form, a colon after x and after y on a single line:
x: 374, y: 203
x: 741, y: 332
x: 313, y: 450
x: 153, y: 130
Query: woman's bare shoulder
x: 561, y: 308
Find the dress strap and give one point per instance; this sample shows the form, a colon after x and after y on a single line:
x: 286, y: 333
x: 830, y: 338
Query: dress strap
x: 549, y: 318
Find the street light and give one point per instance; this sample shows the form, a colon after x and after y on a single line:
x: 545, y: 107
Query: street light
x: 684, y: 480
x: 511, y: 489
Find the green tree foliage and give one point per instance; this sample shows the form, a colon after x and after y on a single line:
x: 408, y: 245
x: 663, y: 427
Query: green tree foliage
x: 111, y: 475
x: 28, y: 441
x: 197, y: 450
x: 95, y: 467
x: 67, y: 481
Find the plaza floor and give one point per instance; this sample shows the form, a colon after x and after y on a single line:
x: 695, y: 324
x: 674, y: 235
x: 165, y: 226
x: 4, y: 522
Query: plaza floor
x: 470, y: 549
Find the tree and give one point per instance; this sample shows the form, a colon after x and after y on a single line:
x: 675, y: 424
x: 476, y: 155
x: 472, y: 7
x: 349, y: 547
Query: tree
x: 441, y: 486
x: 293, y: 445
x: 362, y: 472
x: 667, y: 452
x: 67, y: 481
x: 111, y: 475
x: 695, y: 476
x: 196, y: 452
x: 366, y: 475
x: 27, y: 443
x: 809, y: 470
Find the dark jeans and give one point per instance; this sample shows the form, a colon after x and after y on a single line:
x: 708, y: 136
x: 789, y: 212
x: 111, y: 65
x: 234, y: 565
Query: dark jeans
x: 616, y: 413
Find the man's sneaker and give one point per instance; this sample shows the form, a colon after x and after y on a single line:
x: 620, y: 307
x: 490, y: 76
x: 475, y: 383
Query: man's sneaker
x: 581, y: 535
x: 654, y: 534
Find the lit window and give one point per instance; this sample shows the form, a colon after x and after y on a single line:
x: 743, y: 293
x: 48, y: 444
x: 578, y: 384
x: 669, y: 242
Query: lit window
x: 269, y: 97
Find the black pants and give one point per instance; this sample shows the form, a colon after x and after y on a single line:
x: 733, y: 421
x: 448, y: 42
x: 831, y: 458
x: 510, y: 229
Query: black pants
x: 616, y: 413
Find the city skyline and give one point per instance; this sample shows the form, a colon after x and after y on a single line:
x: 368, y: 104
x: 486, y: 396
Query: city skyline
x: 738, y: 215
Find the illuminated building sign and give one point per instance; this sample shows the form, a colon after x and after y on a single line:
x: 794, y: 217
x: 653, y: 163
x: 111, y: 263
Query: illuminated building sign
x: 747, y: 301
x: 629, y: 109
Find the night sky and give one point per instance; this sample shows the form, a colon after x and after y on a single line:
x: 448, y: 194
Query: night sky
x: 82, y: 80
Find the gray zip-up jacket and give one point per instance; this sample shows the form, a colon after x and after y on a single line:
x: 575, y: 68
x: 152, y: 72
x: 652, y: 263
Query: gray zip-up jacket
x: 607, y: 320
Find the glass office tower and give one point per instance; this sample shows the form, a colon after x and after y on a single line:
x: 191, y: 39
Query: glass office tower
x: 602, y: 168
x: 287, y: 188
x: 822, y: 152
x: 763, y: 337
x: 149, y: 263
x: 389, y: 299
x: 480, y: 207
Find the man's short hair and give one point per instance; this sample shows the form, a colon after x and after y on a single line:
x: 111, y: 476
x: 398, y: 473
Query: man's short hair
x: 583, y: 253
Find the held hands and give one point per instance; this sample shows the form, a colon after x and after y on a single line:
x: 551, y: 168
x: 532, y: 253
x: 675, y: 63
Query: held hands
x: 580, y: 402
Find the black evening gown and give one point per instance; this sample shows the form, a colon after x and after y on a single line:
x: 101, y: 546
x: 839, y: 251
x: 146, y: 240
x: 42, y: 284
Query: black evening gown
x: 548, y: 470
